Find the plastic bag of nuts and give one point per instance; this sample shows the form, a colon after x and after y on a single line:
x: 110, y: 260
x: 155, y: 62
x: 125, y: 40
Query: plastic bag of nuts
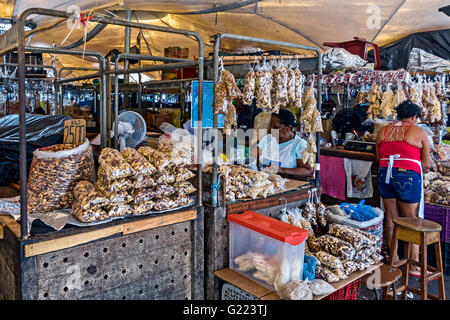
x: 182, y: 174
x: 88, y: 197
x: 140, y: 165
x: 119, y: 210
x: 143, y: 207
x: 90, y: 215
x: 157, y: 158
x: 184, y: 188
x: 112, y: 186
x: 162, y: 191
x: 54, y: 172
x: 114, y: 165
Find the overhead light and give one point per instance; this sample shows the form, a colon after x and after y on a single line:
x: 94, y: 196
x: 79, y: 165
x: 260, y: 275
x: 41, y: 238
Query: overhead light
x: 445, y: 10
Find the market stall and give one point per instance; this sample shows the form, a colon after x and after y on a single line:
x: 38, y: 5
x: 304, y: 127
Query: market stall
x: 223, y: 192
x: 129, y: 228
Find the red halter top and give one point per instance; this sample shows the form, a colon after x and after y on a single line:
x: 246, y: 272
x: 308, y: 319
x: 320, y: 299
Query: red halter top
x: 403, y: 148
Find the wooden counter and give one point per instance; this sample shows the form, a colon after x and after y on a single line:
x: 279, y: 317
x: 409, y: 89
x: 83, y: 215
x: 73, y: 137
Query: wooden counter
x: 340, y: 152
x: 236, y: 279
x: 157, y: 256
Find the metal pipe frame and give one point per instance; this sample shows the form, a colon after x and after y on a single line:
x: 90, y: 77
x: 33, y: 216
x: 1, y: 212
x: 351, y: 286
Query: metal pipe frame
x: 105, y: 20
x: 102, y: 63
x: 55, y: 77
x: 217, y: 40
x: 117, y: 71
x: 74, y: 69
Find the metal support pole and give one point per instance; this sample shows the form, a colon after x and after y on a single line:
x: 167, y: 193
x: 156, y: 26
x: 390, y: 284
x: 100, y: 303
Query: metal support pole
x: 319, y: 105
x: 22, y: 128
x: 109, y: 106
x: 215, y: 124
x: 139, y: 94
x: 126, y: 64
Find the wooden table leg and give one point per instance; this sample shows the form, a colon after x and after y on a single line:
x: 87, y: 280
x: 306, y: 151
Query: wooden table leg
x: 394, y: 246
x: 424, y: 269
x: 394, y: 291
x: 405, y: 269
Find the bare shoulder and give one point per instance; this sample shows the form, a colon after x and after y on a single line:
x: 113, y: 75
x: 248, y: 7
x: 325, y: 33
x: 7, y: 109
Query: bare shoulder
x: 415, y: 130
x: 381, y: 132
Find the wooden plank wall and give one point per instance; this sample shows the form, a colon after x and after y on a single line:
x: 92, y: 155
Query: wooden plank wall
x: 143, y: 265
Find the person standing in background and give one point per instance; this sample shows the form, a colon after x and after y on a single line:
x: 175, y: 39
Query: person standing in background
x: 404, y: 154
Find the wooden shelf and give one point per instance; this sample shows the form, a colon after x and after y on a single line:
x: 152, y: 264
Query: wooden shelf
x: 236, y: 279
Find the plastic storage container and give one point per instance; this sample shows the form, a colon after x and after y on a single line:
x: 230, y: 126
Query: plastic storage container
x: 266, y: 250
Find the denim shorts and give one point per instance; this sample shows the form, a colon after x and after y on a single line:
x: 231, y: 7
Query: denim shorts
x: 403, y: 186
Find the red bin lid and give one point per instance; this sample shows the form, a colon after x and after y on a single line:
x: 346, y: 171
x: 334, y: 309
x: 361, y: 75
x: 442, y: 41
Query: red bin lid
x: 271, y: 227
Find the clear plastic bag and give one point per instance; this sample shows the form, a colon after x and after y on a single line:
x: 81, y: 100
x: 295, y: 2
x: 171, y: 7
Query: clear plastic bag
x: 185, y: 188
x: 249, y: 88
x: 321, y: 287
x: 89, y: 215
x: 178, y: 147
x: 334, y: 246
x: 295, y: 290
x: 114, y: 165
x: 119, y: 197
x: 88, y: 197
x: 230, y: 117
x: 142, y: 196
x: 233, y: 91
x: 309, y: 211
x: 162, y: 191
x: 349, y: 234
x: 54, y: 172
x: 112, y: 186
x: 143, y: 207
x: 168, y: 203
x: 141, y: 166
x: 263, y: 88
x: 158, y: 159
x: 324, y: 273
x: 329, y: 260
x: 119, y: 210
x: 221, y: 102
x: 143, y: 182
x: 165, y: 177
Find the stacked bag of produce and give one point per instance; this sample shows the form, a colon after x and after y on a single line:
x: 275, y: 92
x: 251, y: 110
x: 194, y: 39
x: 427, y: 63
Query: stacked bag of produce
x: 172, y: 188
x: 89, y: 204
x: 343, y: 251
x: 143, y: 180
x: 243, y: 182
x: 115, y: 182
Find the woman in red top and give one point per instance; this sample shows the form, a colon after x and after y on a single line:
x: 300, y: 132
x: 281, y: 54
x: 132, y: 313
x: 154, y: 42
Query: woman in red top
x: 404, y: 153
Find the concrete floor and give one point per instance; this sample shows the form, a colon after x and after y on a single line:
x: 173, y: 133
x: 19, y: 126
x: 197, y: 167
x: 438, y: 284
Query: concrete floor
x: 366, y: 294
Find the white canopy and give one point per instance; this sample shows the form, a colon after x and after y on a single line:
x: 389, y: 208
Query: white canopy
x: 309, y: 22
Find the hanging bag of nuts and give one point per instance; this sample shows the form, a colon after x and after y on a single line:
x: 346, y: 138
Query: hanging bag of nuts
x: 54, y: 172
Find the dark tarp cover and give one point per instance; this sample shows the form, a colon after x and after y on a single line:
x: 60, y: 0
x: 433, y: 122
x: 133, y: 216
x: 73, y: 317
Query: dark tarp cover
x: 42, y: 131
x: 396, y: 55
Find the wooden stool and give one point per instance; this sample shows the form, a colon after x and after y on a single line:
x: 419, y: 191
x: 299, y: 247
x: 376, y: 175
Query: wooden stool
x: 383, y: 277
x: 423, y: 233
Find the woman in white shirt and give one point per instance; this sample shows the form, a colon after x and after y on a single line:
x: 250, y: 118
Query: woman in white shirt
x: 282, y: 148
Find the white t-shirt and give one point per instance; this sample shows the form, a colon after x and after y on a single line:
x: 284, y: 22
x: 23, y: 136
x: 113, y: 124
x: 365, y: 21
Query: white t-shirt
x: 284, y: 154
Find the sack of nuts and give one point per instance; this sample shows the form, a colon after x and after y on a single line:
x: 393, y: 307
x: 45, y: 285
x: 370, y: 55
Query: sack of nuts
x: 54, y: 172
